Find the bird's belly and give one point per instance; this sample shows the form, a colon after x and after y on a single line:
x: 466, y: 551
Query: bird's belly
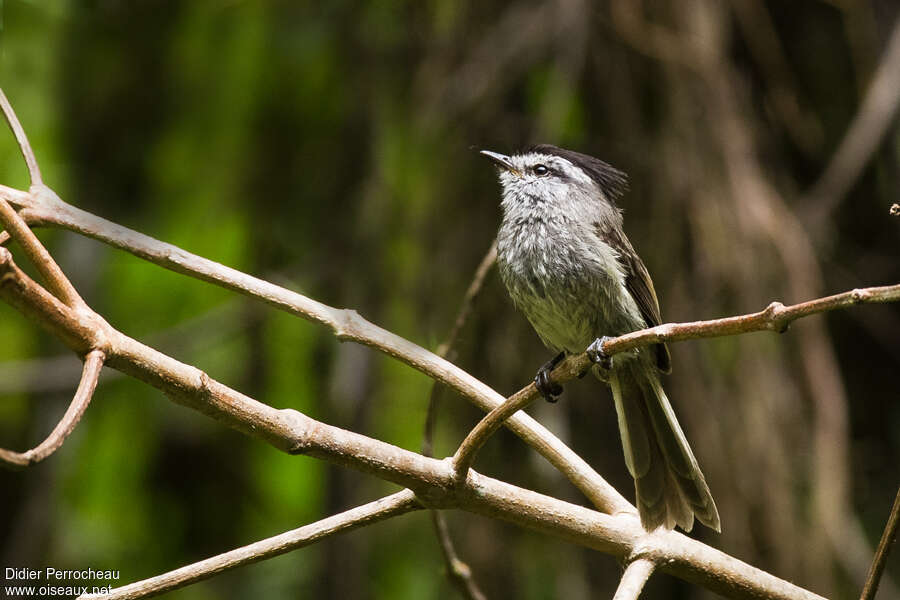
x: 569, y: 310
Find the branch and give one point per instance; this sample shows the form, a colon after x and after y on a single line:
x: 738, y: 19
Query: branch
x: 379, y: 510
x: 635, y: 576
x: 93, y: 364
x: 881, y: 554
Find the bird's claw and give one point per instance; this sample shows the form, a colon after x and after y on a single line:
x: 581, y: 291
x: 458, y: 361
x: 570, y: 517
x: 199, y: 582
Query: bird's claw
x: 548, y: 389
x: 597, y: 355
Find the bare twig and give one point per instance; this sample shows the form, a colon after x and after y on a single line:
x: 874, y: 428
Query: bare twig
x: 489, y: 424
x: 457, y: 570
x: 863, y: 136
x: 379, y: 510
x: 635, y: 576
x: 34, y: 172
x: 881, y: 553
x: 775, y: 317
x: 93, y: 364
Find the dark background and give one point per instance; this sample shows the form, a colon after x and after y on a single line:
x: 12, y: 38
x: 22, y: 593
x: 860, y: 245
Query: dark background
x: 329, y: 147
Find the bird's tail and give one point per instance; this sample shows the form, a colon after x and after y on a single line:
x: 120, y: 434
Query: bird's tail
x: 669, y: 487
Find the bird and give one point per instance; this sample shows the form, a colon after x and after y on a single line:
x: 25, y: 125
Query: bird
x: 568, y: 266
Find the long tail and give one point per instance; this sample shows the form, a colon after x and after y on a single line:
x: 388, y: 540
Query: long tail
x: 668, y: 484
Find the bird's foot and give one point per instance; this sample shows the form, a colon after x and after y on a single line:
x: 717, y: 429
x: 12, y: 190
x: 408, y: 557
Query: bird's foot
x: 597, y: 355
x: 548, y: 389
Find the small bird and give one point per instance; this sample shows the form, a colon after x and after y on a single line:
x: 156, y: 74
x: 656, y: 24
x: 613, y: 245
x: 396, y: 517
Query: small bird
x: 568, y: 266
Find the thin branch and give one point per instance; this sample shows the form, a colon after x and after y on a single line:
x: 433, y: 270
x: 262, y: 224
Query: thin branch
x: 881, y: 553
x: 458, y: 571
x: 93, y: 364
x: 433, y: 480
x: 34, y: 172
x: 53, y: 276
x: 489, y: 424
x: 775, y: 317
x: 379, y: 510
x: 472, y: 292
x: 633, y: 579
x: 868, y: 128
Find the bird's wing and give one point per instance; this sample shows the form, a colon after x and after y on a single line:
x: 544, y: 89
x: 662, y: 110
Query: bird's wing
x: 640, y: 286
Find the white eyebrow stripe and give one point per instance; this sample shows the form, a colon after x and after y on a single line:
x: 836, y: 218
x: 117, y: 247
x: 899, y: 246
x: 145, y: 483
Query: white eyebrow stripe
x: 566, y: 167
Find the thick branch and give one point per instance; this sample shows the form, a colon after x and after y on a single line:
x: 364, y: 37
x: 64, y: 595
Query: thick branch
x: 379, y: 510
x: 93, y: 364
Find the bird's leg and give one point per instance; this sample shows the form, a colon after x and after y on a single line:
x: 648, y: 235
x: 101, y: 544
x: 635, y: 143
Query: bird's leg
x: 597, y: 355
x: 547, y: 388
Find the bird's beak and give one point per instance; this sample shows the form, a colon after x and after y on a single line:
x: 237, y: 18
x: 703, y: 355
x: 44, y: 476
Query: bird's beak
x: 501, y: 160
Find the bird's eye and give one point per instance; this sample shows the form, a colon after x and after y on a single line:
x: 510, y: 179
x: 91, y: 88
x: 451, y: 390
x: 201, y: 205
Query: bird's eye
x: 541, y: 170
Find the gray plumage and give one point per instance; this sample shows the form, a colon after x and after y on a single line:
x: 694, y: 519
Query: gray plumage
x: 569, y: 268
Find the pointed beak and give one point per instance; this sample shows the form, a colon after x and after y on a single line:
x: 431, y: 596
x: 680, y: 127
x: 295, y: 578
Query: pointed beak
x: 501, y: 160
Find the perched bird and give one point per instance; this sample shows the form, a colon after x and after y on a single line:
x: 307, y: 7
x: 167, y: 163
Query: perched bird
x: 568, y: 265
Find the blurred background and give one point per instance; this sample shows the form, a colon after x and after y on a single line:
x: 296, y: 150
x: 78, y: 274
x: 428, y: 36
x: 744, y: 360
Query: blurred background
x: 328, y: 147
